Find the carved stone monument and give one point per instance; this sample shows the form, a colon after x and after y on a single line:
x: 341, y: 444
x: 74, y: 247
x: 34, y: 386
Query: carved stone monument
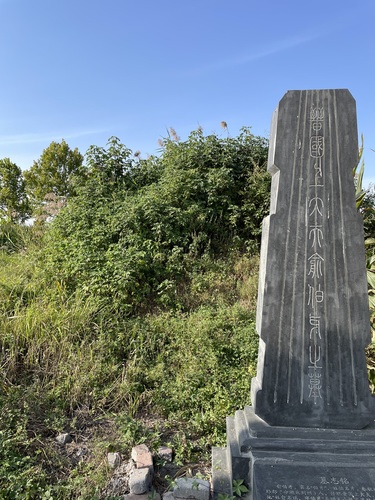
x: 313, y: 318
x: 310, y: 432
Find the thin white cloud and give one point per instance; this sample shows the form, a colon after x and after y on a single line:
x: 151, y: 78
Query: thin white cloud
x: 259, y: 53
x: 19, y: 139
x: 279, y: 46
x: 326, y: 28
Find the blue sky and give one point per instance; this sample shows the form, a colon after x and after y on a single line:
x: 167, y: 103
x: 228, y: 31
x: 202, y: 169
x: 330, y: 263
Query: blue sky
x: 85, y: 70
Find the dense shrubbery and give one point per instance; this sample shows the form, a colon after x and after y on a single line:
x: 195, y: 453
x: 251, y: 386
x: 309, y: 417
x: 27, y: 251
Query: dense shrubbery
x: 137, y: 300
x: 134, y: 234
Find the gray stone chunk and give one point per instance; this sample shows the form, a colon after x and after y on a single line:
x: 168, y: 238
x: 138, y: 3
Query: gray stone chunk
x: 64, y: 438
x: 119, y: 482
x: 221, y: 472
x: 168, y: 496
x: 165, y: 453
x: 114, y: 460
x: 191, y: 487
x: 140, y: 480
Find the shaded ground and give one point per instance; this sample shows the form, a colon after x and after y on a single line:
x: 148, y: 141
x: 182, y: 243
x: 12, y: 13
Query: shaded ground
x: 84, y: 459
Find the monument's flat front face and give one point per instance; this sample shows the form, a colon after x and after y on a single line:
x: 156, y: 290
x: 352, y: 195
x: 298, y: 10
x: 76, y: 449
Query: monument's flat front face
x: 313, y: 317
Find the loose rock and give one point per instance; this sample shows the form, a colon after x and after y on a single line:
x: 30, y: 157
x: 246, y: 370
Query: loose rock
x: 142, y: 456
x: 165, y: 453
x: 64, y: 438
x: 114, y: 460
x: 140, y: 480
x: 191, y: 487
x: 119, y: 483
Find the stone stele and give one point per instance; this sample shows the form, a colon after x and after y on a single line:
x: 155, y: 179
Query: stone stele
x: 310, y: 433
x: 313, y: 315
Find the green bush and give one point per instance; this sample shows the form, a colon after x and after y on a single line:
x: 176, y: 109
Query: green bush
x: 203, y: 371
x: 133, y: 239
x: 21, y: 474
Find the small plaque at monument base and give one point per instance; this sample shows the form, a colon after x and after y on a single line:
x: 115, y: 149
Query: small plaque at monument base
x: 306, y: 464
x: 310, y: 481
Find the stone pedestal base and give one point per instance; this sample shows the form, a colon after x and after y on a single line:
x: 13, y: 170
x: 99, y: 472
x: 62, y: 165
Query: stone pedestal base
x: 286, y: 463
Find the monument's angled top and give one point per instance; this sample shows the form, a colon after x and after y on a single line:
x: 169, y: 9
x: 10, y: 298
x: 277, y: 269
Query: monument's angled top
x: 317, y: 90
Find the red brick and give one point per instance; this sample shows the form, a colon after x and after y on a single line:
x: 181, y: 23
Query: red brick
x: 142, y: 456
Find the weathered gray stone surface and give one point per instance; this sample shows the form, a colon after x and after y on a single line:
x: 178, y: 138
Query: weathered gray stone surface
x: 114, y: 460
x: 221, y: 473
x: 191, y: 487
x: 313, y: 317
x: 296, y: 463
x: 140, y: 480
x: 165, y: 453
x: 64, y: 438
x: 119, y: 482
x: 168, y: 496
x: 302, y: 464
x: 287, y: 480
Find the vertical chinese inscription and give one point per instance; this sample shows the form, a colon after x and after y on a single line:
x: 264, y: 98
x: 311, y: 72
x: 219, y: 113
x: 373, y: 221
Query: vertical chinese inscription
x: 315, y: 268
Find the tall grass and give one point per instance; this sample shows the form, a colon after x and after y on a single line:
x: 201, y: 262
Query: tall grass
x: 61, y: 354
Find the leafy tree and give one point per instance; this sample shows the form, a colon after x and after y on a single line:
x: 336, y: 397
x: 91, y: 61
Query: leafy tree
x: 220, y: 188
x: 54, y: 172
x: 110, y: 166
x: 14, y: 206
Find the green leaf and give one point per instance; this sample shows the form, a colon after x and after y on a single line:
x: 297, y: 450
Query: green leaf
x: 371, y: 279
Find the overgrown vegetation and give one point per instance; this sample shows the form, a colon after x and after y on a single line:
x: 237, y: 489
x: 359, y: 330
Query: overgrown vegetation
x: 127, y: 312
x: 138, y: 230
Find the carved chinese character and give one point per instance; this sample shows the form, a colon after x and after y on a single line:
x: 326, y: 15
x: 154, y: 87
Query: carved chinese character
x: 315, y: 385
x: 315, y: 323
x: 318, y: 171
x: 315, y: 269
x: 316, y: 234
x: 317, y: 126
x: 316, y: 296
x: 317, y: 146
x: 316, y: 113
x: 317, y: 206
x: 314, y: 355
